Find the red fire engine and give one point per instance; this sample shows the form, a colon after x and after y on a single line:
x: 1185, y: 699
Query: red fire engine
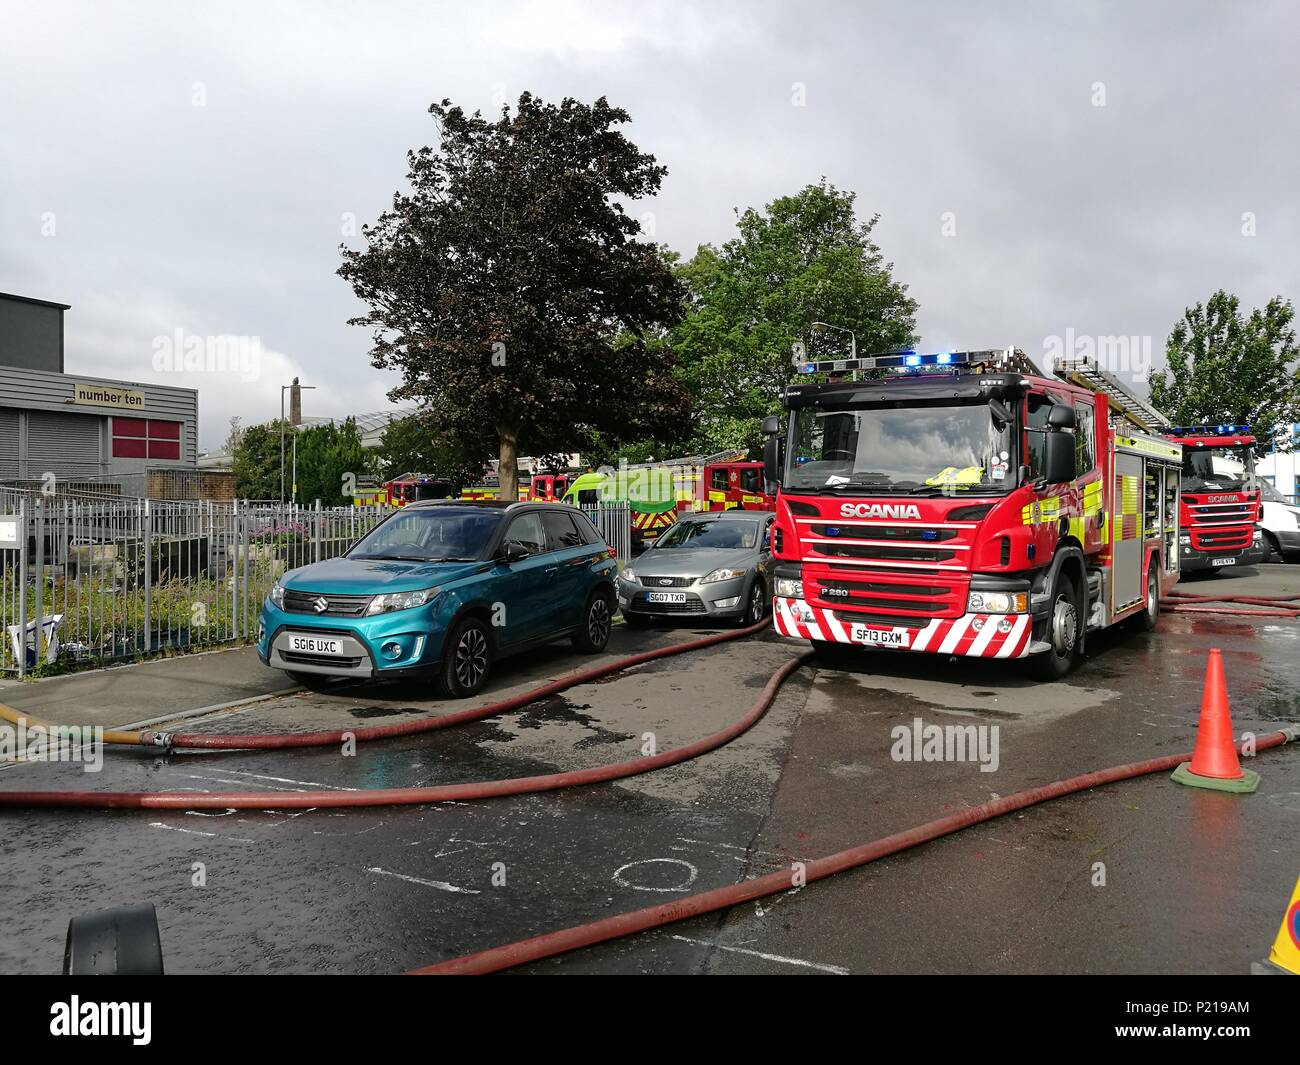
x: 548, y: 487
x: 735, y: 486
x: 1221, y: 498
x: 966, y: 503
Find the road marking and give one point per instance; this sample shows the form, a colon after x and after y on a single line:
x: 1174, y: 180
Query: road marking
x: 837, y: 970
x: 196, y: 832
x: 441, y: 885
x: 691, y: 874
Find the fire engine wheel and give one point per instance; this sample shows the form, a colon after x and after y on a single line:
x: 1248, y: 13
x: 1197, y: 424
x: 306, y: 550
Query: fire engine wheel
x: 593, y: 634
x: 466, y: 660
x: 1151, y: 612
x: 1063, y: 631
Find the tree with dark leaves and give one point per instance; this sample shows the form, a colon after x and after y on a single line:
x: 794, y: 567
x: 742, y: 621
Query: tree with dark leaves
x: 510, y: 289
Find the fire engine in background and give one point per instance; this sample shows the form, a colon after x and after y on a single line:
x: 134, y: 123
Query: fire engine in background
x: 547, y: 487
x: 1221, y: 504
x: 969, y: 504
x: 735, y: 486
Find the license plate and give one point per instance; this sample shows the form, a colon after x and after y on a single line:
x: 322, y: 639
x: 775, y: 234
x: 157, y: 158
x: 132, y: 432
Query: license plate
x: 1223, y: 562
x: 665, y: 597
x: 316, y: 645
x: 880, y: 637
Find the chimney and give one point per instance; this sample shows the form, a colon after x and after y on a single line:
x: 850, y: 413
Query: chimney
x: 295, y: 403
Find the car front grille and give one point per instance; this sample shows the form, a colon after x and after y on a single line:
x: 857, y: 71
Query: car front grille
x: 336, y: 606
x: 668, y: 582
x: 693, y: 605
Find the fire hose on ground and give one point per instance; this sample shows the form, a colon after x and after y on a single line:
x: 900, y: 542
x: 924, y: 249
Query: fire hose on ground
x: 552, y: 943
x: 1274, y: 606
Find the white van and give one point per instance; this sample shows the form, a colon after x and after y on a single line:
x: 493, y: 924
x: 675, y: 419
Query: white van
x: 1280, y: 524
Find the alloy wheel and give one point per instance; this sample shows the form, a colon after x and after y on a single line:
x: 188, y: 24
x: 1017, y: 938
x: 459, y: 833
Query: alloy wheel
x: 471, y: 657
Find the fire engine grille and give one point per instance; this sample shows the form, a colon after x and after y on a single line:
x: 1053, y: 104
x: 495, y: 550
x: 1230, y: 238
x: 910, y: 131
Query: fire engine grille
x: 885, y: 532
x: 1228, y: 538
x: 906, y: 621
x: 337, y: 606
x: 1222, y: 513
x: 899, y: 554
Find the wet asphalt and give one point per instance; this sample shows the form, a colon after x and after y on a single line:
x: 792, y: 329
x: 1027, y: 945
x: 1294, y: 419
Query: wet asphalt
x: 1143, y: 876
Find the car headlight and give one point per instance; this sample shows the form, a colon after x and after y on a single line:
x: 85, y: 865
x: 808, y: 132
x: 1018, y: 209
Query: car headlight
x: 997, y: 602
x: 277, y: 595
x: 629, y: 575
x: 723, y: 574
x: 789, y: 587
x: 390, y: 601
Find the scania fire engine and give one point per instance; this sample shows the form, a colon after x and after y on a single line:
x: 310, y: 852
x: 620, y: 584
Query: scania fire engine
x: 966, y: 503
x: 1221, y: 504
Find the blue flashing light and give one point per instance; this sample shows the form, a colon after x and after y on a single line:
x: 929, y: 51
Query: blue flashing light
x: 913, y: 360
x: 943, y: 358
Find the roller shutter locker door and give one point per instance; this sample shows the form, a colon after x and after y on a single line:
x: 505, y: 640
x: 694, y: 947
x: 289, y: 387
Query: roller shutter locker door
x: 64, y: 444
x: 8, y: 444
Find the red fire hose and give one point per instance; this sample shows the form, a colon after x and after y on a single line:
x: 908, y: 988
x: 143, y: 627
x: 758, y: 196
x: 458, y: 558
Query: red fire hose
x: 482, y: 789
x: 1188, y: 603
x: 585, y: 935
x: 278, y: 740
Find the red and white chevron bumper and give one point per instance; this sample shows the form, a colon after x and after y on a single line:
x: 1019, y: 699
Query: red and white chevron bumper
x: 973, y: 635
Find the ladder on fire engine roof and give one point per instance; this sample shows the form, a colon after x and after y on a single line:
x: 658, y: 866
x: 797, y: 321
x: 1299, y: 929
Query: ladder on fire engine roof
x: 1083, y: 371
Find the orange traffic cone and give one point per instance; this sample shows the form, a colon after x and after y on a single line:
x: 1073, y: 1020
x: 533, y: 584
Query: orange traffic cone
x: 1214, y: 762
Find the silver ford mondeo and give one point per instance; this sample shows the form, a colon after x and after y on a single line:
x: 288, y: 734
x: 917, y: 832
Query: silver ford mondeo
x: 711, y: 565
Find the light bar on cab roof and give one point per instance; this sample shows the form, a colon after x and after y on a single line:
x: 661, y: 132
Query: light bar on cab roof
x: 1209, y: 430
x: 902, y: 360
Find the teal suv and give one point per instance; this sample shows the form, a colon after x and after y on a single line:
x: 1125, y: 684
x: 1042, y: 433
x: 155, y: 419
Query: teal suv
x: 443, y: 588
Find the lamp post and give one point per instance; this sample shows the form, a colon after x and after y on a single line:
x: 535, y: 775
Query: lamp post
x: 853, y: 337
x: 283, y: 389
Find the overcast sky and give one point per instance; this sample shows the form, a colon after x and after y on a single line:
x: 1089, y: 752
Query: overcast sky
x: 171, y: 166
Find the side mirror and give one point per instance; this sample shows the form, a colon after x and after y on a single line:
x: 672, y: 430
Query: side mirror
x: 1058, y: 457
x: 1062, y: 417
x: 771, y: 426
x: 513, y: 552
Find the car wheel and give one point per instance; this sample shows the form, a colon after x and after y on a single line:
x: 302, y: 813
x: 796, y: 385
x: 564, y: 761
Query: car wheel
x: 1063, y: 630
x: 466, y: 659
x: 1146, y: 621
x: 313, y: 681
x: 757, y: 606
x: 1272, y: 552
x: 593, y: 633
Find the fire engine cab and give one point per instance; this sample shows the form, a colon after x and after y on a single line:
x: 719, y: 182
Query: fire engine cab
x: 735, y: 486
x: 966, y: 503
x: 1221, y: 504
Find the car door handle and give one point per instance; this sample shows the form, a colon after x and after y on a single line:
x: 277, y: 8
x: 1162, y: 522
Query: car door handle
x: 551, y: 571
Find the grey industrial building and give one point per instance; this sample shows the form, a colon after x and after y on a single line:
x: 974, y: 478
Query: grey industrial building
x: 82, y: 429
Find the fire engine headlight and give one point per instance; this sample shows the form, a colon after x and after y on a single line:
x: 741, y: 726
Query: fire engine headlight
x: 390, y: 601
x: 1259, y: 536
x: 789, y: 588
x: 723, y: 574
x: 1184, y: 540
x: 997, y: 602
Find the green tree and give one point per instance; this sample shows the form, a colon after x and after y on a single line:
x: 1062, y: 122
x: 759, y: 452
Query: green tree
x: 500, y: 283
x: 417, y: 444
x: 255, y: 458
x: 1224, y: 366
x: 805, y: 258
x: 331, y: 461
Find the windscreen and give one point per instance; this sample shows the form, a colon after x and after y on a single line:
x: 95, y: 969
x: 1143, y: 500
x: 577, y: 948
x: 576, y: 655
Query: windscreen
x: 1230, y: 467
x: 916, y: 449
x: 432, y: 534
x: 686, y: 535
